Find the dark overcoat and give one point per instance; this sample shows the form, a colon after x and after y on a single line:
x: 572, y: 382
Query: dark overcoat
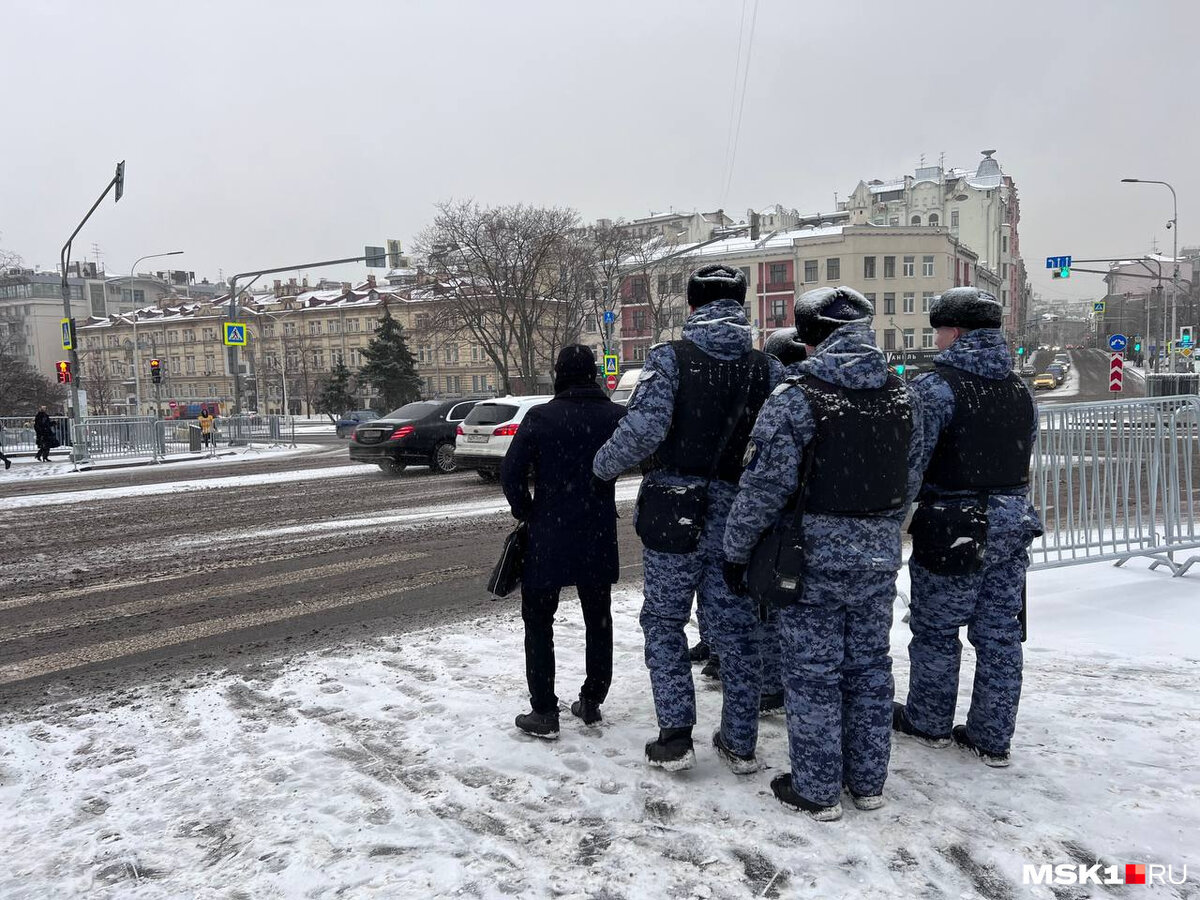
x: 572, y: 526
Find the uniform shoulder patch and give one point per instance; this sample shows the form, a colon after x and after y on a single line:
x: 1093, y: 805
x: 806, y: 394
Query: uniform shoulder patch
x: 786, y: 385
x: 646, y: 375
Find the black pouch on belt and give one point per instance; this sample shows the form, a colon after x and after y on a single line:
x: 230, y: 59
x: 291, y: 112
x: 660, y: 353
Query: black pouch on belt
x: 949, y: 537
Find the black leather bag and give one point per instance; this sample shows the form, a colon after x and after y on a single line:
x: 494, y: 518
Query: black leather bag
x: 506, y: 577
x: 670, y: 517
x: 775, y: 576
x: 949, y: 537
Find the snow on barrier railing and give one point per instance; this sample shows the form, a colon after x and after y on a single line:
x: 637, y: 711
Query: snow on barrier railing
x: 1115, y: 479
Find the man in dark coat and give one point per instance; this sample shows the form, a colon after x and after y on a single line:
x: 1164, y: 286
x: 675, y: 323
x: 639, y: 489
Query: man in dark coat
x: 43, y: 431
x: 572, y: 533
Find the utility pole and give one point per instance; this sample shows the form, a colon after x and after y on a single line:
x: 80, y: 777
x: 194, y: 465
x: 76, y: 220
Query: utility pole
x: 79, y: 452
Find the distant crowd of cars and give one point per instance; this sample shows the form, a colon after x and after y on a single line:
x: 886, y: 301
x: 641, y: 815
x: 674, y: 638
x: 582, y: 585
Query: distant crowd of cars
x: 1055, y: 373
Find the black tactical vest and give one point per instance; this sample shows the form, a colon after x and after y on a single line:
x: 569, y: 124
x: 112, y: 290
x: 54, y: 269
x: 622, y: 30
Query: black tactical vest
x: 708, y: 392
x: 860, y: 461
x: 987, y: 445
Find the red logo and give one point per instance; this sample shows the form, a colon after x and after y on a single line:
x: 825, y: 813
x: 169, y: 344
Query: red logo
x: 1135, y: 874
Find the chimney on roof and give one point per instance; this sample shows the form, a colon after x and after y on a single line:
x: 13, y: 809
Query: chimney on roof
x: 371, y: 280
x: 345, y: 288
x: 304, y: 284
x: 278, y: 287
x: 754, y: 226
x: 291, y: 285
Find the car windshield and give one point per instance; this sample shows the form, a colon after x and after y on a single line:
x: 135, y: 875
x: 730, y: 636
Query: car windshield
x: 491, y: 414
x: 416, y: 410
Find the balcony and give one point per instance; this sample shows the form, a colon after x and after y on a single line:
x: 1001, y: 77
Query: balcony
x: 776, y: 287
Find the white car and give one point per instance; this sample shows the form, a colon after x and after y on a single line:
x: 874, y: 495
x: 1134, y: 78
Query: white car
x: 624, y: 389
x: 486, y: 434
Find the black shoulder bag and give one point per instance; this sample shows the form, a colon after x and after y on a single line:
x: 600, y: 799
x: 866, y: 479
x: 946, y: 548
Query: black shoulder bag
x: 775, y: 576
x: 670, y: 517
x: 506, y: 577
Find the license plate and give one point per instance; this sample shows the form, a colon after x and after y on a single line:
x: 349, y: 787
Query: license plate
x: 477, y: 438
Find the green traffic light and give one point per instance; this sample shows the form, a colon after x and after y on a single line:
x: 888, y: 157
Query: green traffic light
x: 1064, y: 272
x: 1137, y: 347
x: 1020, y: 351
x: 900, y: 369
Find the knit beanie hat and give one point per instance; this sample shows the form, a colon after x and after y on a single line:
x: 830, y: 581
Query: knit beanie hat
x: 575, y: 367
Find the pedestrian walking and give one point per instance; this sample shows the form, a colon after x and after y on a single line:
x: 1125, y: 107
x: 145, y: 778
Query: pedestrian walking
x: 785, y: 346
x: 43, y: 432
x: 7, y: 462
x: 572, y: 534
x: 689, y: 418
x: 971, y: 531
x: 205, y: 420
x: 835, y: 457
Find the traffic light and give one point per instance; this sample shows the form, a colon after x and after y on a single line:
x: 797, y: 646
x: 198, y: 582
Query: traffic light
x: 1062, y: 272
x: 1020, y: 351
x: 120, y: 181
x: 1185, y: 336
x: 1137, y: 345
x: 900, y: 368
x: 64, y: 371
x: 155, y: 371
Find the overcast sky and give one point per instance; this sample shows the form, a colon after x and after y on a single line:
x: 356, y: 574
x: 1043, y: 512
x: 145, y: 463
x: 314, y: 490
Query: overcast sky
x: 264, y: 133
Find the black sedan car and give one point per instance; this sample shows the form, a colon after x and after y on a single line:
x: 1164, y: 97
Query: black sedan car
x: 420, y: 434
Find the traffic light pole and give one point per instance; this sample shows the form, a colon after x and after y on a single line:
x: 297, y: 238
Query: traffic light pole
x: 79, y: 452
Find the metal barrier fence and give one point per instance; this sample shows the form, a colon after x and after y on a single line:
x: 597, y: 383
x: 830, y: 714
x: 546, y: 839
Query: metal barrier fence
x: 1115, y: 479
x: 257, y: 429
x: 17, y: 434
x: 116, y: 437
x: 1172, y: 384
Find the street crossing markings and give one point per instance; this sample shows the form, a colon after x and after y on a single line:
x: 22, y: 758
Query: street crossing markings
x: 107, y: 651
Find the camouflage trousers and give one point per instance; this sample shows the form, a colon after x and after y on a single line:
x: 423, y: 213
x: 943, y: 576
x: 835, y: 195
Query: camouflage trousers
x: 770, y: 653
x: 988, y: 604
x: 837, y: 672
x: 731, y: 628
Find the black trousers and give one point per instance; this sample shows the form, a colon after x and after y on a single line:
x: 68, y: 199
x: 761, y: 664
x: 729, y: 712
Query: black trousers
x: 537, y: 610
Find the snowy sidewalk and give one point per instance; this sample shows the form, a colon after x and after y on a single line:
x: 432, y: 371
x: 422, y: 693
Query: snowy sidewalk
x: 392, y: 769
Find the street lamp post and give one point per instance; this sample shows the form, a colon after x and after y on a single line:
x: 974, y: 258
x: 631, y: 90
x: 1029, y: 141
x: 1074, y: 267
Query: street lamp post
x: 137, y: 359
x: 1174, y: 226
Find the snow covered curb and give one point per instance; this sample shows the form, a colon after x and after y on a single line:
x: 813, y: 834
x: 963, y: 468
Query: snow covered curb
x: 391, y: 769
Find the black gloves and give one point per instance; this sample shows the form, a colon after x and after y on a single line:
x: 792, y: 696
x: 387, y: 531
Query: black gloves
x: 600, y: 487
x: 735, y: 576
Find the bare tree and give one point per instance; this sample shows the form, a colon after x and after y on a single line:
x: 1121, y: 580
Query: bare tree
x: 22, y: 388
x: 510, y: 277
x: 655, y: 281
x: 102, y: 388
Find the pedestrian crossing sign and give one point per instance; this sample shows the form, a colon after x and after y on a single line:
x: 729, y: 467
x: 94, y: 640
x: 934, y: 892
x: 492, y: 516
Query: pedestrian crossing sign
x: 611, y: 366
x: 1098, y: 306
x: 235, y: 334
x: 68, y: 334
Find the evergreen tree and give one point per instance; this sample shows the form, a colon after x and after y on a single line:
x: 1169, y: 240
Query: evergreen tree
x: 390, y: 366
x: 334, y: 396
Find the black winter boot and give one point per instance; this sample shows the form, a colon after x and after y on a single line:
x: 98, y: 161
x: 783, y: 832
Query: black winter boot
x: 901, y: 724
x: 699, y: 653
x: 781, y: 787
x: 712, y: 668
x: 541, y: 725
x: 587, y: 710
x: 770, y: 704
x: 964, y: 740
x: 672, y: 750
x: 738, y: 764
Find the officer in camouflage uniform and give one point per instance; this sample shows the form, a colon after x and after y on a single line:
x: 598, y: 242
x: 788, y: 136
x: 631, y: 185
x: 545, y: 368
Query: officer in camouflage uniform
x: 981, y: 425
x: 785, y: 346
x: 685, y: 397
x: 861, y: 427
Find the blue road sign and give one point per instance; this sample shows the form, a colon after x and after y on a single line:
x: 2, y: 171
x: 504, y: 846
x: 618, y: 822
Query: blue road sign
x: 235, y: 334
x: 1058, y: 262
x: 1098, y: 306
x: 1117, y: 343
x: 609, y: 317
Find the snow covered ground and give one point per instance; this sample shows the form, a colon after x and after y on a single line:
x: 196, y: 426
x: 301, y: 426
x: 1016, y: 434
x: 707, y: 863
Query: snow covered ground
x: 26, y: 467
x: 391, y: 769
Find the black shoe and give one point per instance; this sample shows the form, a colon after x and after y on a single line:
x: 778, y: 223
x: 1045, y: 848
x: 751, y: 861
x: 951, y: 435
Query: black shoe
x: 712, y: 668
x: 770, y: 704
x: 995, y: 760
x: 699, y: 653
x: 672, y: 750
x: 587, y: 710
x: 738, y: 764
x: 7, y: 463
x: 865, y: 801
x: 539, y: 725
x: 781, y: 787
x: 901, y: 724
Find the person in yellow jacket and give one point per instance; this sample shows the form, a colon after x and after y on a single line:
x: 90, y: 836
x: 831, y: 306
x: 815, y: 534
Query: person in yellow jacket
x: 206, y: 422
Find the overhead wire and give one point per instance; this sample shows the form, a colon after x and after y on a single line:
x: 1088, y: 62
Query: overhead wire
x: 733, y: 97
x: 742, y: 104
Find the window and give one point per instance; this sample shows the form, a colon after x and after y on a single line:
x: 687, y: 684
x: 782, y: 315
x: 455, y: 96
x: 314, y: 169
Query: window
x: 172, y: 337
x: 114, y: 366
x: 910, y: 341
x: 336, y: 358
x: 453, y: 384
x: 663, y: 283
x: 889, y: 304
x: 476, y: 353
x: 677, y: 283
x: 910, y: 266
x: 926, y: 338
x: 889, y: 267
x: 318, y: 360
x: 894, y: 220
x: 833, y: 268
x: 954, y: 218
x: 425, y: 356
x: 639, y: 352
x: 479, y: 384
x: 810, y: 271
x: 927, y: 266
x: 778, y: 273
x: 1004, y: 270
x: 333, y: 326
x: 269, y: 330
x: 450, y: 354
x: 934, y: 219
x: 910, y: 303
x: 916, y: 220
x: 174, y: 365
x: 779, y: 310
x: 639, y: 321
x: 926, y: 299
x: 289, y: 329
x: 190, y: 365
x: 640, y: 289
x: 314, y: 327
x: 189, y: 335
x: 422, y: 320
x: 868, y: 267
x: 1004, y: 243
x: 209, y: 364
x: 870, y: 299
x: 352, y: 325
x: 889, y: 339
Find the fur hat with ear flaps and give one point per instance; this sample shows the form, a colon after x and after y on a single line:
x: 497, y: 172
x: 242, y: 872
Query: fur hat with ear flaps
x: 715, y: 282
x: 821, y: 312
x: 785, y: 347
x: 967, y: 308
